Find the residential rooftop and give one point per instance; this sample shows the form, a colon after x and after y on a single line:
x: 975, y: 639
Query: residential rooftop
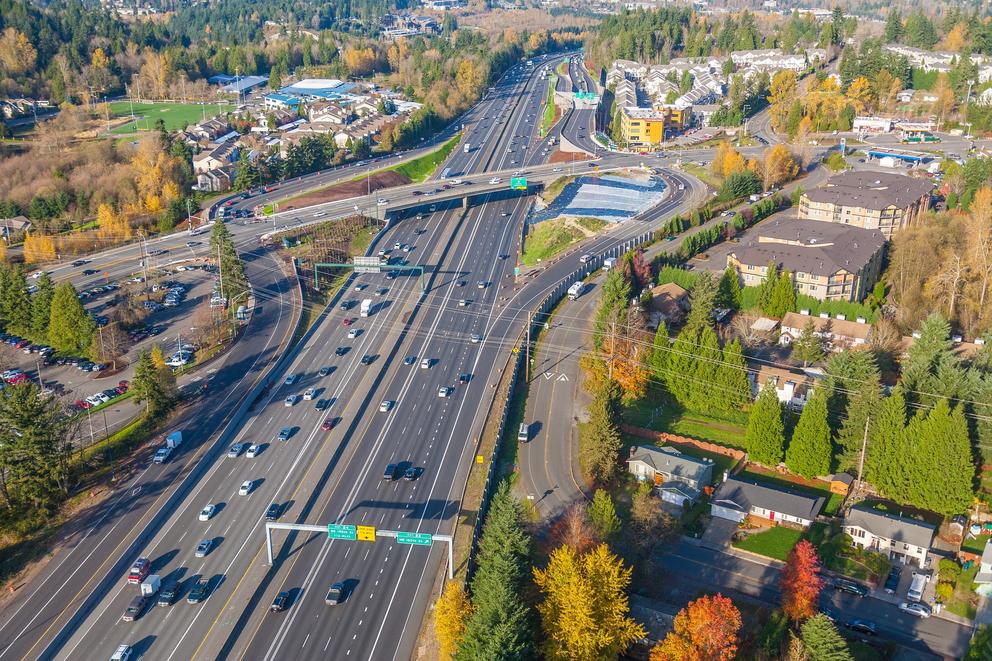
x: 891, y: 526
x: 870, y: 190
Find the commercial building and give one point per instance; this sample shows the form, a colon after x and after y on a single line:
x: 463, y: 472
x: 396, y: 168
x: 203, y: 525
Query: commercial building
x: 646, y: 127
x: 869, y: 200
x: 828, y: 261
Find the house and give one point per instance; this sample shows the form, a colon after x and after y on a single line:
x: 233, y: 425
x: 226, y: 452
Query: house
x: 792, y: 387
x: 214, y: 181
x: 985, y: 98
x: 839, y: 333
x: 737, y: 498
x: 897, y: 537
x: 983, y: 579
x: 218, y: 156
x: 332, y: 113
x: 669, y: 303
x: 14, y: 225
x: 905, y: 96
x: 209, y: 130
x: 869, y: 200
x: 679, y: 477
x: 366, y: 108
x: 827, y: 261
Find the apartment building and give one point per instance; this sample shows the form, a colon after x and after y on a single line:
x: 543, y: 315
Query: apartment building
x: 645, y: 127
x: 869, y: 200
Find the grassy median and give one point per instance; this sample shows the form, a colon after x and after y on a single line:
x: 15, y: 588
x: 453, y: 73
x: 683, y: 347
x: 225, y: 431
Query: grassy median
x: 551, y: 237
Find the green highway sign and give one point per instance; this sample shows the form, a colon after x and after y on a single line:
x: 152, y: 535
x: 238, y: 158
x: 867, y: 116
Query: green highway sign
x: 518, y: 183
x: 418, y: 538
x: 337, y: 531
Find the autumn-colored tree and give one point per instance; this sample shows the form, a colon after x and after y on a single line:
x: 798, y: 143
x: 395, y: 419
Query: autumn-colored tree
x: 781, y: 94
x: 584, y: 612
x: 625, y: 361
x: 157, y: 357
x: 573, y: 529
x: 17, y: 55
x: 112, y: 226
x: 727, y: 160
x: 860, y: 94
x: 779, y: 166
x: 38, y: 247
x: 3, y: 251
x: 705, y: 630
x: 955, y: 39
x: 451, y: 612
x: 801, y: 582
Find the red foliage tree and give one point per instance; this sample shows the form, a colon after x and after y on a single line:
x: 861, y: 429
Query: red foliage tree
x: 705, y: 630
x: 801, y: 582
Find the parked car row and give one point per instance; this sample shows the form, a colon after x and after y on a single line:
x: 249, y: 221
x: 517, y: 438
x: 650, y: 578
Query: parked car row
x: 101, y: 397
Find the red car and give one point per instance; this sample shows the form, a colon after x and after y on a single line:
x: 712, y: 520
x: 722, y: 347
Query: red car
x: 22, y: 344
x: 347, y: 321
x: 328, y: 424
x: 17, y: 378
x: 81, y: 404
x: 139, y: 570
x: 123, y: 383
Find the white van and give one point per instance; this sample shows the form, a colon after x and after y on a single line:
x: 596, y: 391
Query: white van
x: 918, y: 586
x: 523, y: 434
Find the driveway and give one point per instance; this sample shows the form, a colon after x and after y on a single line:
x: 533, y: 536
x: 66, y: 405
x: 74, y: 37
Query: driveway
x: 718, y: 533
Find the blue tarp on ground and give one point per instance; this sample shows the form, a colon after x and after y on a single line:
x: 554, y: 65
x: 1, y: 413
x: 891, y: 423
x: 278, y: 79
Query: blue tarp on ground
x: 608, y: 198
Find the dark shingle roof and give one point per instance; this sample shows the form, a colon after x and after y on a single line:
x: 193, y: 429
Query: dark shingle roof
x: 891, y: 526
x: 748, y: 493
x: 810, y: 246
x: 671, y: 462
x: 870, y: 190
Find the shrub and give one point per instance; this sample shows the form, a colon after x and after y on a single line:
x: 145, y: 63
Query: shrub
x: 944, y: 591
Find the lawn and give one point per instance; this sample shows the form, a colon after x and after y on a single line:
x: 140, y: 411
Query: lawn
x: 772, y: 543
x: 175, y: 115
x: 554, y: 189
x: 705, y: 174
x: 547, y: 239
x: 549, y: 107
x: 975, y: 545
x: 659, y: 412
x: 964, y: 601
x: 419, y: 169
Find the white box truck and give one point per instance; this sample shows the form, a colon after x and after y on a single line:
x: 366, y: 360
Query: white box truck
x: 467, y: 148
x: 609, y: 263
x: 366, y: 307
x: 174, y: 440
x: 576, y: 290
x: 151, y: 585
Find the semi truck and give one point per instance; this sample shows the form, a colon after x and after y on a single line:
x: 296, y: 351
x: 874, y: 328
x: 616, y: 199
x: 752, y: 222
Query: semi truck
x: 576, y: 290
x: 366, y: 307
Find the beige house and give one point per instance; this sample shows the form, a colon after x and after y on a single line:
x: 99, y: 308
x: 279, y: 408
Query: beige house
x: 839, y: 333
x: 828, y: 262
x: 897, y: 537
x: 792, y: 387
x: 869, y: 200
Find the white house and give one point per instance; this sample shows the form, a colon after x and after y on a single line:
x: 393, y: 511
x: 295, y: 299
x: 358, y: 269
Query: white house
x: 900, y: 538
x: 679, y: 477
x: 736, y: 498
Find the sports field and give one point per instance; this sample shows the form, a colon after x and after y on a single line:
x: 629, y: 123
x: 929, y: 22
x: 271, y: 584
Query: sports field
x: 175, y: 115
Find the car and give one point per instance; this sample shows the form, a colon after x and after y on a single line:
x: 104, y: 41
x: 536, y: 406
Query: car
x: 482, y: 284
x: 199, y: 591
x: 133, y: 611
x: 464, y: 378
x: 412, y: 473
x: 460, y: 283
x: 90, y: 271
x: 397, y: 246
x: 273, y: 512
x: 203, y: 548
x: 167, y: 595
x: 309, y: 394
x: 328, y: 424
x: 207, y: 512
x: 850, y: 587
x: 235, y: 450
x: 246, y: 487
x: 386, y: 406
x: 476, y: 338
x: 335, y: 595
x: 324, y: 371
x: 462, y: 302
x: 367, y: 359
x: 409, y: 360
x: 253, y: 451
x: 382, y: 201
x: 139, y: 570
x: 340, y: 351
x: 892, y: 580
x: 279, y: 603
x: 382, y: 291
x: 354, y: 332
x: 425, y: 363
x: 347, y: 321
x: 392, y: 470
x: 916, y: 609
x: 291, y: 400
x: 360, y: 286
x: 291, y: 379
x: 863, y: 626
x: 445, y: 391
x: 285, y: 433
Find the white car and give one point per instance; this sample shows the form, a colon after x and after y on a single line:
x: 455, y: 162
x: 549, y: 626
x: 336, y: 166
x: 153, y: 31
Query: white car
x: 385, y: 406
x: 915, y: 609
x: 476, y: 338
x: 310, y: 394
x: 494, y: 180
x: 320, y: 214
x: 444, y: 391
x: 407, y: 248
x: 462, y: 302
x: 382, y: 201
x: 353, y: 333
x: 290, y: 401
x: 246, y: 487
x: 291, y: 379
x: 253, y: 451
x: 207, y: 512
x: 482, y: 284
x: 425, y: 363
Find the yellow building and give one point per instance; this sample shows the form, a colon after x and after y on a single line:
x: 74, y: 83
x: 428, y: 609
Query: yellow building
x: 642, y: 127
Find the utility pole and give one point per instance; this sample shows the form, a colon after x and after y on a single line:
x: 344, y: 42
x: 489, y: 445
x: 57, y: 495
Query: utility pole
x: 864, y: 446
x: 966, y: 99
x: 144, y: 260
x: 220, y: 269
x: 189, y: 216
x: 527, y: 350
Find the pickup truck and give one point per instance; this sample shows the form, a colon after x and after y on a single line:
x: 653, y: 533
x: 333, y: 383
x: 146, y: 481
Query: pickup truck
x: 162, y: 455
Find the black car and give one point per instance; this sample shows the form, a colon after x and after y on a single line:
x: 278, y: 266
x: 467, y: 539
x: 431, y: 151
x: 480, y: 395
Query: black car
x: 463, y: 378
x: 391, y: 472
x: 279, y: 603
x: 892, y: 580
x: 863, y: 626
x: 850, y: 587
x: 199, y: 592
x: 271, y: 514
x: 367, y: 359
x: 167, y: 595
x: 79, y: 262
x: 90, y: 271
x: 340, y: 351
x: 412, y: 473
x: 324, y: 371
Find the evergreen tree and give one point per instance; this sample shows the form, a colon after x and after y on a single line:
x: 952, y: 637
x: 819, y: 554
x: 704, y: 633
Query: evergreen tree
x: 233, y: 282
x: 153, y: 386
x: 783, y: 298
x: 809, y: 450
x: 861, y: 406
x: 925, y: 356
x: 767, y: 287
x: 501, y: 623
x: 822, y: 640
x: 681, y: 366
x: 764, y: 437
x: 885, y: 456
x: 612, y: 305
x: 848, y: 372
x: 705, y: 386
x: 942, y: 467
x: 702, y: 301
x: 893, y: 26
x: 599, y: 439
x: 16, y: 303
x: 660, y: 350
x: 70, y: 328
x: 808, y: 347
x: 41, y: 307
x: 603, y: 515
x: 729, y: 292
x: 737, y: 387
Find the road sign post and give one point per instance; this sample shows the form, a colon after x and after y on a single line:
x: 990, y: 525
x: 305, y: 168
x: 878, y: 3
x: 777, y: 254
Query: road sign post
x: 518, y: 183
x: 415, y: 538
x: 338, y: 531
x: 366, y: 533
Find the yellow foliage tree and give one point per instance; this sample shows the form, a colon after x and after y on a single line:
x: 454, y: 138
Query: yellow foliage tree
x: 955, y: 40
x: 112, y: 226
x: 99, y: 59
x: 469, y: 77
x: 727, y: 160
x: 3, y: 251
x: 624, y: 360
x: 584, y: 613
x: 38, y: 247
x: 781, y: 95
x: 780, y: 166
x: 450, y: 615
x: 17, y: 55
x: 158, y: 358
x: 860, y: 94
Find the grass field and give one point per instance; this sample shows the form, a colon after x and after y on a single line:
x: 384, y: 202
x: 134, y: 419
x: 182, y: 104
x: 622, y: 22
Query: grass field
x: 772, y: 543
x: 419, y: 169
x: 547, y: 239
x: 175, y: 115
x: 549, y: 107
x: 659, y: 412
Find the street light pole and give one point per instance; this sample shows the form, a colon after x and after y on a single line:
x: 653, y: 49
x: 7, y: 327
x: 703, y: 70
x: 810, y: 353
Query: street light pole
x: 967, y: 98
